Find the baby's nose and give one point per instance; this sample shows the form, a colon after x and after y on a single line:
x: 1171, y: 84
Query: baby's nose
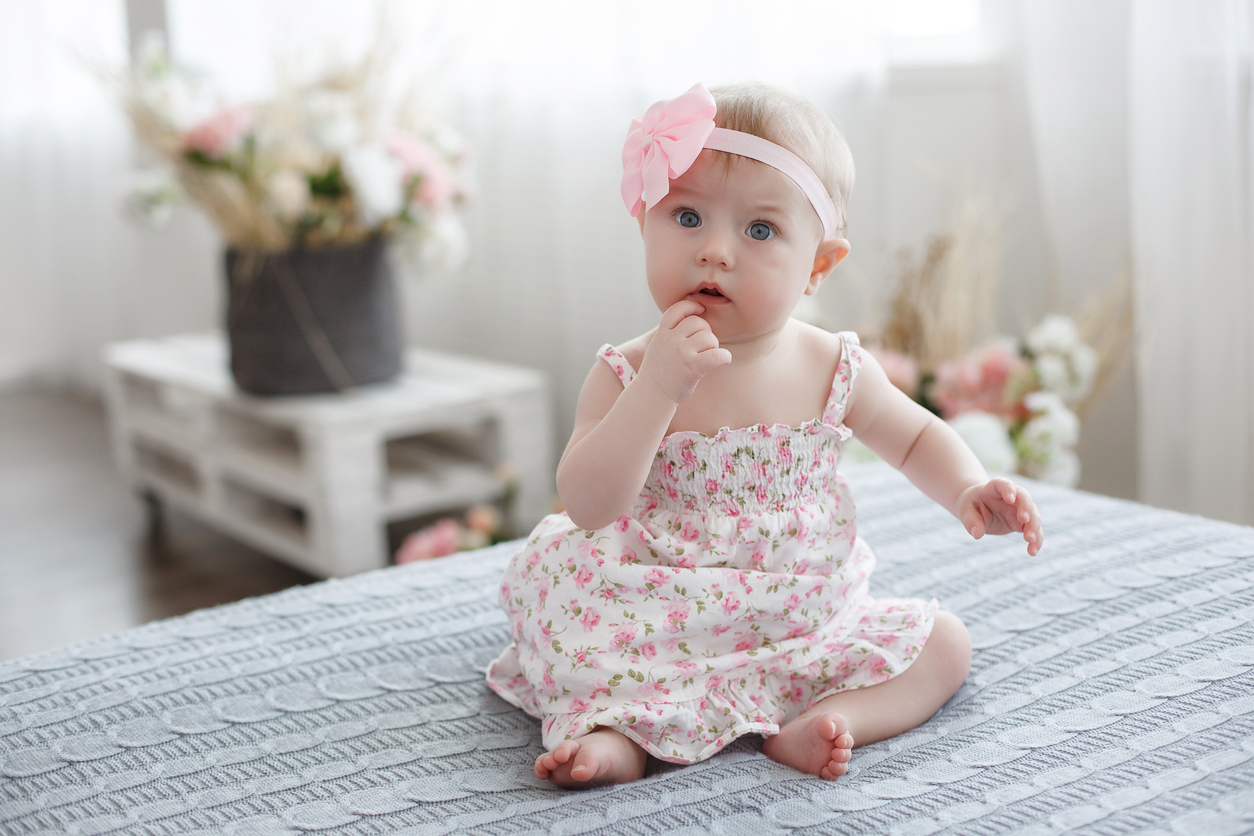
x: 715, y: 250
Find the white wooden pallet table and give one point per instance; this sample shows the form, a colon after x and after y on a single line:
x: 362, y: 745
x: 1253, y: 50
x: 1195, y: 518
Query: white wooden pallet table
x: 314, y: 480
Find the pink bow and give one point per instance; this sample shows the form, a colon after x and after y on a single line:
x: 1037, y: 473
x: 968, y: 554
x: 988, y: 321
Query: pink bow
x: 662, y: 145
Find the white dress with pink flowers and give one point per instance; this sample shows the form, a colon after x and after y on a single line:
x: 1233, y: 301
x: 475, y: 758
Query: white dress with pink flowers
x: 732, y: 598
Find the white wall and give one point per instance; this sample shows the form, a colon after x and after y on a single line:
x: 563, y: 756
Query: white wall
x: 920, y: 135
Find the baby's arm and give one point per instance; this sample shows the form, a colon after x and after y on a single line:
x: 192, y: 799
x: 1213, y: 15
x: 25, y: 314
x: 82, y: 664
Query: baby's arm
x: 936, y: 460
x: 617, y: 431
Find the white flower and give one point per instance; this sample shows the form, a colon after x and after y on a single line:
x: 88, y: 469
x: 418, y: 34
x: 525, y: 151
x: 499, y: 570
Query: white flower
x: 289, y: 193
x: 438, y: 243
x: 331, y: 117
x: 375, y: 178
x: 149, y: 196
x: 1064, y: 364
x: 1054, y: 335
x: 986, y: 435
x: 1047, y: 443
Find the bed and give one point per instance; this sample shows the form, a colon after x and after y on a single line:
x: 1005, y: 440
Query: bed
x: 1112, y: 691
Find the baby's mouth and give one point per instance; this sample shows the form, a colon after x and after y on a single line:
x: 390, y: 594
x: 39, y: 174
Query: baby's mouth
x: 710, y: 291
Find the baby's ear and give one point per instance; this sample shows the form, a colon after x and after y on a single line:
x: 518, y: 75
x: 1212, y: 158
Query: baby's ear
x: 831, y: 251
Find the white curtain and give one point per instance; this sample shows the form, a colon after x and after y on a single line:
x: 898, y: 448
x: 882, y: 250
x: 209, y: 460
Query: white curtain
x: 1192, y: 202
x: 543, y: 93
x: 61, y: 145
x: 1075, y: 69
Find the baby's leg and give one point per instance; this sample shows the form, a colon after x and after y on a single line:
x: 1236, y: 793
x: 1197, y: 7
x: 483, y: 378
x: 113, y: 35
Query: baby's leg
x: 603, y: 756
x: 820, y: 740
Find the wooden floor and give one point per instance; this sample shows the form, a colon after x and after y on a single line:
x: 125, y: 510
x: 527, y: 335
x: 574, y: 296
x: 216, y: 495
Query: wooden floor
x: 76, y: 558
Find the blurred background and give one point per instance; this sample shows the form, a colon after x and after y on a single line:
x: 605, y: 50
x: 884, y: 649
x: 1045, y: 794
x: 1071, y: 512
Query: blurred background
x: 1109, y: 140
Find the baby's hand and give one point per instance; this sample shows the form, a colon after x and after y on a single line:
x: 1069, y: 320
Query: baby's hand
x: 683, y: 351
x: 999, y: 506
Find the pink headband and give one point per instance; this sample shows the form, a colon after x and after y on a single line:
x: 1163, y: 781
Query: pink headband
x: 665, y: 142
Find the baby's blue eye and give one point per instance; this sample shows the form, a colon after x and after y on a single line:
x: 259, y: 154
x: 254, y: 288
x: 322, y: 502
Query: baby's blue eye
x: 760, y: 231
x: 688, y: 218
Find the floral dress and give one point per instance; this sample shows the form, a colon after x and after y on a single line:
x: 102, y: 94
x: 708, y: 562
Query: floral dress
x: 731, y: 598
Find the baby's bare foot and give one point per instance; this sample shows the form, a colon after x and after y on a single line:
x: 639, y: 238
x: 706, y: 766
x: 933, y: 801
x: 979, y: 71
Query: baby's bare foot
x: 601, y: 757
x: 819, y: 744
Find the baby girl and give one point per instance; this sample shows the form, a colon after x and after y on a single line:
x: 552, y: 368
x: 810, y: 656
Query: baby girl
x: 707, y: 580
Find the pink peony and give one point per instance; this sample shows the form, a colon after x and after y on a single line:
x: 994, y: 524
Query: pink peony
x: 985, y: 380
x: 437, y: 540
x: 437, y: 184
x: 220, y: 132
x: 902, y: 370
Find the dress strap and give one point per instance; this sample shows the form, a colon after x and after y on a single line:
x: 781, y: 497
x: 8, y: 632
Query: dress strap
x: 842, y: 383
x: 618, y: 363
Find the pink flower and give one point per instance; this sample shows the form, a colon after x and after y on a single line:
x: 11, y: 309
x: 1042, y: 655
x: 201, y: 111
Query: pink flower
x: 730, y: 604
x: 580, y: 705
x: 220, y: 132
x: 583, y: 576
x: 985, y: 380
x: 590, y: 619
x: 689, y: 532
x: 656, y: 576
x: 648, y: 651
x: 711, y: 487
x: 437, y: 185
x: 747, y: 642
x: 625, y: 635
x: 902, y: 370
x: 622, y: 523
x: 434, y: 541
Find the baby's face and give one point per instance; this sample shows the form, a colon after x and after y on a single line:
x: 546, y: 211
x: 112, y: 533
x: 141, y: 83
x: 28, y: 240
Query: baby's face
x: 740, y: 240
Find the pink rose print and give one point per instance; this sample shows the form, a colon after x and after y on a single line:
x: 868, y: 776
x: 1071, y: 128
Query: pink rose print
x: 652, y: 689
x: 580, y: 705
x: 744, y: 524
x: 590, y: 619
x: 648, y: 651
x: 533, y: 559
x: 657, y: 577
x: 711, y: 487
x: 583, y: 576
x: 689, y: 532
x: 587, y: 549
x: 792, y: 602
x: 747, y: 642
x: 686, y: 561
x: 622, y: 524
x: 628, y: 556
x: 625, y: 636
x: 687, y: 456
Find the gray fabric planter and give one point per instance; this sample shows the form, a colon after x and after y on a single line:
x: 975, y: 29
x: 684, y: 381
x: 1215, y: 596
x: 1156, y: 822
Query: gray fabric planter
x: 312, y: 320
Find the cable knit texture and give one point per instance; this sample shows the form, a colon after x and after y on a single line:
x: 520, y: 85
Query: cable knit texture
x: 1111, y: 692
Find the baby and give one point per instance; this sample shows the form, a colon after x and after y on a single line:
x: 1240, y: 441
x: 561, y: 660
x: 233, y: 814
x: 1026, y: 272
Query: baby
x: 706, y: 580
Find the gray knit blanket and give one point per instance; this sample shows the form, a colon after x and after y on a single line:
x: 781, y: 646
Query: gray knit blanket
x: 1111, y: 692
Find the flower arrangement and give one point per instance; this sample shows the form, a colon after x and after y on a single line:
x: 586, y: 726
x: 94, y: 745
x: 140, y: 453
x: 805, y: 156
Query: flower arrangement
x: 1018, y: 403
x: 480, y: 527
x: 327, y: 162
x: 1012, y: 402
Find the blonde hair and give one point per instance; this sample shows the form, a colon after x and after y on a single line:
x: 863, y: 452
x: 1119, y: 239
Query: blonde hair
x: 796, y: 123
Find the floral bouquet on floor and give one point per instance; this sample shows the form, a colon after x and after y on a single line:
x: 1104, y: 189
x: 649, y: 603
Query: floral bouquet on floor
x: 330, y: 161
x: 482, y: 526
x: 1012, y: 402
x: 1018, y: 403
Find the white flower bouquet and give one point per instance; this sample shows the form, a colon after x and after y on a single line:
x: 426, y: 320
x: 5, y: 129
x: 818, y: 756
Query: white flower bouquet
x: 328, y: 162
x: 1017, y: 403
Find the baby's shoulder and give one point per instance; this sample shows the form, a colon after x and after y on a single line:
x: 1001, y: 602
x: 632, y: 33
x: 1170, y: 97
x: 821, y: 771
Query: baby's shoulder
x: 818, y: 349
